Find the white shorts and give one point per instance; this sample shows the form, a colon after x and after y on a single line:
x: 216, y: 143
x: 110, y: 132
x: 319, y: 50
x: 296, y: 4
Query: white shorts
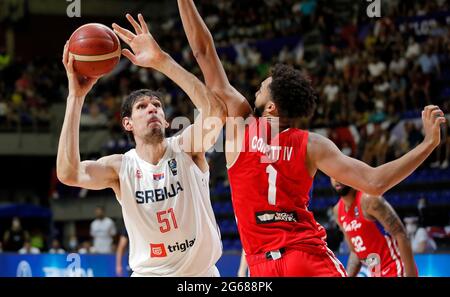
x: 212, y: 272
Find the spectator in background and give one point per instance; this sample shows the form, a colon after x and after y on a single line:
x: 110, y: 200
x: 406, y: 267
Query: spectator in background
x: 56, y: 247
x: 429, y: 62
x: 87, y: 248
x: 376, y: 146
x: 3, y: 112
x: 73, y: 243
x: 398, y: 64
x: 37, y: 238
x: 376, y: 67
x: 102, y: 231
x: 28, y: 249
x: 421, y: 242
x: 14, y: 238
x: 413, y: 135
x: 94, y: 118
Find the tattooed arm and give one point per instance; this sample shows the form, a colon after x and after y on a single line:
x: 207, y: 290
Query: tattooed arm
x: 353, y: 263
x: 379, y: 209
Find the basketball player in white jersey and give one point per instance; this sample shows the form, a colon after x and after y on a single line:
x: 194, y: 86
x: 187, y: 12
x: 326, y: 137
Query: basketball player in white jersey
x: 162, y: 184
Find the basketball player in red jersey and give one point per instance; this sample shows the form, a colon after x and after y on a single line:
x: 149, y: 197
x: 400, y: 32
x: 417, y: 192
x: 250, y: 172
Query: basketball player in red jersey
x: 270, y: 175
x: 374, y: 233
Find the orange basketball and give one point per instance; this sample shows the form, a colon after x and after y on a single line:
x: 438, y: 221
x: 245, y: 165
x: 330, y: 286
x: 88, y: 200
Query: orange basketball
x: 96, y: 50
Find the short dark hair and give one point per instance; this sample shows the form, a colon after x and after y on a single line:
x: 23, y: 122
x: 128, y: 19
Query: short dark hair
x: 130, y: 100
x: 292, y: 92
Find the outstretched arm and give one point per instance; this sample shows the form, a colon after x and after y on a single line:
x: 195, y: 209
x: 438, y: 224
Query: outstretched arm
x: 202, y: 45
x: 325, y: 155
x: 202, y: 135
x: 382, y: 211
x: 70, y: 170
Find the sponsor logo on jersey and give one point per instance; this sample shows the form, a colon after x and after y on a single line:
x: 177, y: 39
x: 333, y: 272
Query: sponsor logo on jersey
x: 157, y: 195
x: 138, y: 174
x: 158, y: 176
x: 385, y: 271
x: 159, y: 250
x: 265, y: 217
x: 353, y: 226
x: 342, y: 218
x: 173, y: 166
x: 356, y: 211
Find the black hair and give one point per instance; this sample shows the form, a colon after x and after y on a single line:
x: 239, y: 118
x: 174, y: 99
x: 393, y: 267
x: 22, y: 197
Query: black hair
x: 292, y: 92
x: 130, y: 100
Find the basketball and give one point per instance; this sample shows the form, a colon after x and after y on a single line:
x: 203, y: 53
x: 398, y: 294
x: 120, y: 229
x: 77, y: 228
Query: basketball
x: 96, y: 50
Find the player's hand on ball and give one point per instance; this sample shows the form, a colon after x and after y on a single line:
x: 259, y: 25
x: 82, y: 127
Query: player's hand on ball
x: 432, y: 118
x: 146, y: 51
x: 79, y: 85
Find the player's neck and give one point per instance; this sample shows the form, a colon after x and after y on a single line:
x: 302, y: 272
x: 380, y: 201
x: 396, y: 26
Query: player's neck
x: 279, y: 123
x: 151, y: 153
x: 349, y: 198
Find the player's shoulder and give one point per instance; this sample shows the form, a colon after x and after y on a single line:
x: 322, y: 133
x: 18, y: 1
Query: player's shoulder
x: 110, y: 159
x: 114, y: 161
x: 316, y: 140
x: 372, y: 203
x: 318, y: 144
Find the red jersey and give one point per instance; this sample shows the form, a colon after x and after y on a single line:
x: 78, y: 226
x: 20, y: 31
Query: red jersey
x: 370, y: 240
x: 270, y: 187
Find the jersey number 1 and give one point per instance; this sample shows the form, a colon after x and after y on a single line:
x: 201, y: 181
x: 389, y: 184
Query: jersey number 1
x: 272, y: 193
x: 162, y: 219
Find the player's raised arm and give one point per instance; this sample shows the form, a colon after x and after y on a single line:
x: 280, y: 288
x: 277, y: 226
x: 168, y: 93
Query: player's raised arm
x: 70, y: 170
x: 382, y: 211
x: 202, y: 45
x: 375, y: 181
x: 147, y: 53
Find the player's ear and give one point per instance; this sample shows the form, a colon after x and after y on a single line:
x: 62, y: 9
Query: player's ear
x: 166, y: 124
x: 127, y: 124
x: 271, y: 107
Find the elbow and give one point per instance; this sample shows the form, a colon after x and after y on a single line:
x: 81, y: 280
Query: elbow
x: 65, y: 177
x: 375, y: 189
x: 402, y: 236
x: 203, y: 47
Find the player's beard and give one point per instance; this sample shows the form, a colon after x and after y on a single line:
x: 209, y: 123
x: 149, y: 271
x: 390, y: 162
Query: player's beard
x: 343, y: 191
x: 156, y: 135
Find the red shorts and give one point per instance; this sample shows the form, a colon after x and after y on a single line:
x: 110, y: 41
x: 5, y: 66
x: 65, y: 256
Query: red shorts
x: 295, y: 262
x: 395, y: 269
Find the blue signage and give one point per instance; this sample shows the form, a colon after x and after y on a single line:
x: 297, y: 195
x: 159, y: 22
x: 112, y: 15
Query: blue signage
x: 75, y: 265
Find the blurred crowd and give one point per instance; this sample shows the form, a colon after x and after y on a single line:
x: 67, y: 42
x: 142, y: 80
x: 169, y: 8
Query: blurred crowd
x: 370, y: 74
x: 102, y: 238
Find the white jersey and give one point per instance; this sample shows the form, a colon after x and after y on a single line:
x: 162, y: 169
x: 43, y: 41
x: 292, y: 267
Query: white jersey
x: 168, y: 215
